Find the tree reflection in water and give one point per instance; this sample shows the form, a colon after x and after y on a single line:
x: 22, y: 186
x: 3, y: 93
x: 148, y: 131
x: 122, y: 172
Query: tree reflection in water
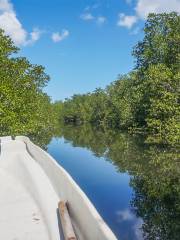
x: 154, y: 175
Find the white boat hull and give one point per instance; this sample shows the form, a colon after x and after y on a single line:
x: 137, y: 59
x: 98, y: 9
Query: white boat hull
x: 32, y: 183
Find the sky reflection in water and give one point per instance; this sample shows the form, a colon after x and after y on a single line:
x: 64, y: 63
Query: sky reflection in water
x: 107, y: 188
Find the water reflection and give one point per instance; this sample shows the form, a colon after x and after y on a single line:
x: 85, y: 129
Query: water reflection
x: 154, y: 211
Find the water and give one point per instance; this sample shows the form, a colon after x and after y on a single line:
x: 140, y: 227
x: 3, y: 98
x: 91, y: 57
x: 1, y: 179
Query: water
x: 107, y: 189
x: 134, y: 187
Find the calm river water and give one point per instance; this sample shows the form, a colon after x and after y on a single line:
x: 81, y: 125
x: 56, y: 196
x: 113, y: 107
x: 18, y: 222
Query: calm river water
x: 133, y: 186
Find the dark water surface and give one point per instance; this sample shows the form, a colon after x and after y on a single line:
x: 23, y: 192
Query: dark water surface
x: 134, y: 187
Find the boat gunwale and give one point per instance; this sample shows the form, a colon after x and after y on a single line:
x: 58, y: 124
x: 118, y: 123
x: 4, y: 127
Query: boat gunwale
x: 102, y: 228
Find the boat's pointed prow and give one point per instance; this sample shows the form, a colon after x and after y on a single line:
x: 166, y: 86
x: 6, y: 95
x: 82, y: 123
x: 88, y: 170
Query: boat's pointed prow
x: 41, y: 179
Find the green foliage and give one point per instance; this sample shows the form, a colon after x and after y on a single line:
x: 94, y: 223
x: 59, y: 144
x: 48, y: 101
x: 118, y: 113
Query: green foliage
x: 24, y: 108
x: 120, y: 96
x: 147, y: 99
x: 85, y: 108
x: 161, y: 102
x: 160, y: 43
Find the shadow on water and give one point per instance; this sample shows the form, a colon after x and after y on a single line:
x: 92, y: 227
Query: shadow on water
x: 149, y: 207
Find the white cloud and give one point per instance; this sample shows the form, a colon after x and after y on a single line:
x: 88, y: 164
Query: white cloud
x: 5, y: 5
x: 34, y: 36
x: 13, y: 27
x: 57, y: 37
x: 128, y: 1
x: 137, y: 228
x: 126, y: 21
x: 94, y: 6
x: 101, y: 20
x: 87, y: 16
x: 125, y: 215
x: 144, y: 7
x: 135, y: 31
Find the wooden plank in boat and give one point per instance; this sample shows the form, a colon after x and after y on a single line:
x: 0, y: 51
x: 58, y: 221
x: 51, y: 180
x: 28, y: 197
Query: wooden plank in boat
x: 67, y: 227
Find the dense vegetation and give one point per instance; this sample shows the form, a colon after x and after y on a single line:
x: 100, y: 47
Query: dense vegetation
x: 145, y: 100
x: 24, y: 107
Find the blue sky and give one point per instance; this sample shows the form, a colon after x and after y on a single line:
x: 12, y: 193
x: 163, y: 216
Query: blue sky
x: 83, y: 44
